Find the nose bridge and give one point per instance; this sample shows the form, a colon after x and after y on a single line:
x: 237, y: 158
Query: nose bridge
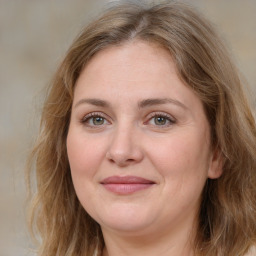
x: 124, y: 145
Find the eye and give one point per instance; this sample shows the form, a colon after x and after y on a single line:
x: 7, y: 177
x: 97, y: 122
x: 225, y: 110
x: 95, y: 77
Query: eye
x: 94, y: 119
x: 161, y: 119
x: 97, y: 120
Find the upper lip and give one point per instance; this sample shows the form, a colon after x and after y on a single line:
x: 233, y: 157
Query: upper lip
x: 126, y: 180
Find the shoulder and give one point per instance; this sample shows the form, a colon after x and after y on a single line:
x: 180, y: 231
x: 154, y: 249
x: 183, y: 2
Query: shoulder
x: 252, y: 251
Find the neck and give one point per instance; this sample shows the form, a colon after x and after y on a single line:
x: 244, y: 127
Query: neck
x: 179, y: 244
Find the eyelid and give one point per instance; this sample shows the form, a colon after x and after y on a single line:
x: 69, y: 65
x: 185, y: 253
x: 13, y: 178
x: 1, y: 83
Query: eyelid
x: 169, y: 117
x: 159, y: 113
x: 86, y: 117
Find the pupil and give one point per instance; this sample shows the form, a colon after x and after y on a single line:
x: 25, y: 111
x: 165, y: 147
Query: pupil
x: 98, y: 120
x: 160, y: 120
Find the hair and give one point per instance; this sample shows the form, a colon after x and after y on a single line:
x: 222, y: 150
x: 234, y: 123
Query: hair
x: 227, y: 217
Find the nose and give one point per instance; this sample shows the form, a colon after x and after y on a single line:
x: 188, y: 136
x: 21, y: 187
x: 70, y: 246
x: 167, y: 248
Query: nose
x: 125, y: 147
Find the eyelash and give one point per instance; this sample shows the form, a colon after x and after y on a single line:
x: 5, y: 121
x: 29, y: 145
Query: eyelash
x: 167, y: 117
x: 86, y: 119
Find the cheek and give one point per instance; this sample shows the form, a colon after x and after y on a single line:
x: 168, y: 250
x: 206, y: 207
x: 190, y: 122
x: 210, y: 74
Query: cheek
x: 84, y: 154
x: 183, y: 164
x: 183, y: 156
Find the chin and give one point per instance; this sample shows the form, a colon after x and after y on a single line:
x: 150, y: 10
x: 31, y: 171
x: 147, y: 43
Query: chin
x: 127, y: 220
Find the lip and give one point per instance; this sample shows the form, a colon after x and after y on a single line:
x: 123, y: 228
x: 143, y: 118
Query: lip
x: 124, y: 185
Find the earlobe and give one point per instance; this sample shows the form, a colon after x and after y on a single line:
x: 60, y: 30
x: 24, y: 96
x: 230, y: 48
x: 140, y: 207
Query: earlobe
x: 216, y: 164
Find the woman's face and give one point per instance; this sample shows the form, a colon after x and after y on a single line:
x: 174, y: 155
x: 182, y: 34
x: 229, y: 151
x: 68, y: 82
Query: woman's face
x: 138, y: 142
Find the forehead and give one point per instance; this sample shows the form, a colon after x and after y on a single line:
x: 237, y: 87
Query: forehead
x: 133, y: 62
x: 138, y: 67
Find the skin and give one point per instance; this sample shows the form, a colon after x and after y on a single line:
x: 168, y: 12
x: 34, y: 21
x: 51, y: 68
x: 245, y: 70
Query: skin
x: 128, y: 139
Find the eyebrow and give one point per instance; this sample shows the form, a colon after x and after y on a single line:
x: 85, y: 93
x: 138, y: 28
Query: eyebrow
x: 142, y: 104
x: 156, y: 101
x: 95, y: 102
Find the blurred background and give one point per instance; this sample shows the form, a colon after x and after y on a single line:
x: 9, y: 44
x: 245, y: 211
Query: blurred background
x: 34, y: 36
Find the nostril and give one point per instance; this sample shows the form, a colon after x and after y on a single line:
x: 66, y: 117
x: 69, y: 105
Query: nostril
x: 111, y: 160
x: 121, y: 161
x: 123, y: 153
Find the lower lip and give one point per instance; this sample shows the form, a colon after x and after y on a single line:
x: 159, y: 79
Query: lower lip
x: 124, y: 189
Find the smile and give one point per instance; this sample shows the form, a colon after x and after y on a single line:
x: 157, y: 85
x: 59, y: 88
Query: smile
x: 126, y: 185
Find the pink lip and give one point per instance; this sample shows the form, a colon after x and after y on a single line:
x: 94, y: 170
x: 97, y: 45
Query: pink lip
x: 126, y: 185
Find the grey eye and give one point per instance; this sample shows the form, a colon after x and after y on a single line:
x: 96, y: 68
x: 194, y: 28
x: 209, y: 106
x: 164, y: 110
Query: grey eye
x: 160, y: 120
x: 98, y: 120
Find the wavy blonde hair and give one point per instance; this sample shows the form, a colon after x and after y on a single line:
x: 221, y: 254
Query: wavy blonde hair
x: 227, y: 219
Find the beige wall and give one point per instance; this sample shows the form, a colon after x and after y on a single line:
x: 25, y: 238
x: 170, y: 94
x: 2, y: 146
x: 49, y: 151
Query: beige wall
x: 34, y: 35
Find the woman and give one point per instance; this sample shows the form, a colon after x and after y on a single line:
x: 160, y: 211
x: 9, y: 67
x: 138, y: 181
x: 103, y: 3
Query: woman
x: 147, y: 142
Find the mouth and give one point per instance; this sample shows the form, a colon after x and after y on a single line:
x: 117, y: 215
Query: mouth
x: 126, y: 184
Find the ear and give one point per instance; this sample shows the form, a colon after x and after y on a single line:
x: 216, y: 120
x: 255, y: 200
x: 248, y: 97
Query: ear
x: 216, y: 164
